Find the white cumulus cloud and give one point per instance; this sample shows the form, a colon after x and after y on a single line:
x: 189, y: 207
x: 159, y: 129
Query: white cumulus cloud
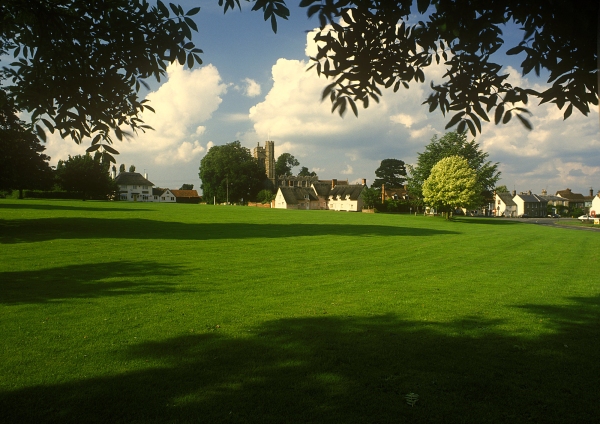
x: 252, y: 88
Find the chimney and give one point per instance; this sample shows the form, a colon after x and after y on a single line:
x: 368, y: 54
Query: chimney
x: 591, y: 192
x: 514, y: 193
x: 544, y: 192
x: 333, y: 183
x: 529, y: 192
x: 145, y: 175
x: 364, y: 182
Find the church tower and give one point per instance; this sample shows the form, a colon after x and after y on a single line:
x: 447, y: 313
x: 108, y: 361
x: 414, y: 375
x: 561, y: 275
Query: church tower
x: 266, y: 157
x: 270, y: 161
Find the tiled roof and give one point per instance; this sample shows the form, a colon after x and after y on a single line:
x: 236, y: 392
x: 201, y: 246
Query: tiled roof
x: 185, y: 193
x: 132, y: 178
x: 551, y: 198
x: 322, y: 188
x: 157, y: 191
x: 531, y: 198
x: 507, y: 198
x: 293, y: 194
x: 353, y: 190
x: 568, y: 194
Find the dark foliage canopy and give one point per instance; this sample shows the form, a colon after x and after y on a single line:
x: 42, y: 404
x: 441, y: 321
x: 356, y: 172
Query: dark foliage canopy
x: 86, y: 175
x: 284, y: 164
x: 304, y: 172
x: 391, y: 172
x: 78, y: 65
x: 453, y: 144
x: 378, y: 46
x: 187, y: 187
x: 231, y: 171
x: 23, y: 165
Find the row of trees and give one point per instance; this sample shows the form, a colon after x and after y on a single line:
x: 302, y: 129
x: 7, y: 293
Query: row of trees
x: 452, y: 172
x: 230, y: 173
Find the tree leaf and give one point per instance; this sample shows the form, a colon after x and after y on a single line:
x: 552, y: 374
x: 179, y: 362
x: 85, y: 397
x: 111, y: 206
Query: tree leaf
x: 40, y: 132
x: 193, y: 11
x: 525, y: 122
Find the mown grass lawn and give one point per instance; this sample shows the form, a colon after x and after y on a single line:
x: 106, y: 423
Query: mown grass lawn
x: 123, y: 312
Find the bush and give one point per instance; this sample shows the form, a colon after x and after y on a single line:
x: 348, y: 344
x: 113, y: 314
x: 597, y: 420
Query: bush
x: 265, y: 196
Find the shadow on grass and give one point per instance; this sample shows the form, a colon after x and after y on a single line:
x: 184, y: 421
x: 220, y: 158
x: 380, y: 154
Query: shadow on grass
x: 85, y: 206
x: 33, y: 230
x: 86, y: 281
x: 343, y: 370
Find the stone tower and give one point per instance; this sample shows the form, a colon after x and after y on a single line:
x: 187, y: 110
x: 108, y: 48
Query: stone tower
x: 270, y: 161
x: 266, y: 157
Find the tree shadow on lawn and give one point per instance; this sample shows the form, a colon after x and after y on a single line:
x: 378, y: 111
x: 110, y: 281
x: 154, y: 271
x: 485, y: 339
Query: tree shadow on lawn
x: 43, y: 229
x: 343, y: 369
x: 85, y: 206
x: 87, y: 281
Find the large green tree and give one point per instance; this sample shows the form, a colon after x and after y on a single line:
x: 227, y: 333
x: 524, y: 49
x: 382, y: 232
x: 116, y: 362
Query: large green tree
x: 23, y: 165
x: 284, y: 164
x: 229, y: 172
x: 86, y: 175
x: 452, y: 184
x: 366, y: 45
x: 453, y: 144
x: 391, y: 172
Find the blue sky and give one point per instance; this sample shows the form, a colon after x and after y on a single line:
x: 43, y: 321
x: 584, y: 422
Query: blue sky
x: 253, y: 86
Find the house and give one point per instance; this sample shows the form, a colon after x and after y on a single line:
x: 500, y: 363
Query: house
x: 557, y: 203
x: 167, y: 196
x: 588, y: 200
x: 595, y: 208
x: 134, y: 187
x: 322, y: 189
x: 505, y: 205
x: 394, y: 193
x: 346, y: 198
x: 530, y: 204
x: 322, y: 194
x: 296, y: 198
x: 186, y: 196
x: 576, y: 200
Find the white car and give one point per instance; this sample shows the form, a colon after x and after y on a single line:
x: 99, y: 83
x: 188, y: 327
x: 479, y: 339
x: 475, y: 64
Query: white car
x: 585, y: 218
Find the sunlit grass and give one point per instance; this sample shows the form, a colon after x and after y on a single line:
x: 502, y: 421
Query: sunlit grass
x: 128, y: 312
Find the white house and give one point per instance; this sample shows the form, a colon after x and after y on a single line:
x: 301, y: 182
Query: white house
x: 296, y: 198
x: 167, y: 196
x: 504, y: 205
x: 595, y: 208
x: 346, y: 198
x: 134, y: 187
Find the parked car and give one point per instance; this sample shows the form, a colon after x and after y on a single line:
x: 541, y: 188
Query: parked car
x: 586, y: 218
x: 554, y: 215
x: 523, y: 215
